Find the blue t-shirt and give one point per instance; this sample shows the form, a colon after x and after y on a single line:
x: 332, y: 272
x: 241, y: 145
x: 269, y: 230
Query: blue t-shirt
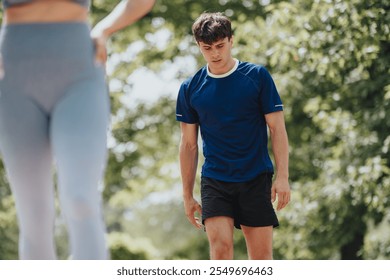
x: 230, y: 111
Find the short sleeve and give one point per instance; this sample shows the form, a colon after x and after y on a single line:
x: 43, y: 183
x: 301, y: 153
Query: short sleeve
x: 269, y: 96
x: 184, y: 112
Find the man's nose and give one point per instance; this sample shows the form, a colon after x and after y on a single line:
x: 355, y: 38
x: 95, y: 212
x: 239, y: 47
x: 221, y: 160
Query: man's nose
x: 215, y: 52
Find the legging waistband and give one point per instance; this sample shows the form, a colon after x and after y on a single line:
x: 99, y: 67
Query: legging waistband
x: 35, y: 40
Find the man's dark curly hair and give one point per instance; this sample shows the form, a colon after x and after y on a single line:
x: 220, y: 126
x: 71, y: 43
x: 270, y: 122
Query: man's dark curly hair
x: 211, y: 27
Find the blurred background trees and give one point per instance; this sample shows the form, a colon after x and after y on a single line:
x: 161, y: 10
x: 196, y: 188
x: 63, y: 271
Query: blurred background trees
x: 330, y: 61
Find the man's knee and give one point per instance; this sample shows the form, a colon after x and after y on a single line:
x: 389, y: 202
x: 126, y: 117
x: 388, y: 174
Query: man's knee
x: 221, y: 249
x: 264, y: 254
x: 220, y: 235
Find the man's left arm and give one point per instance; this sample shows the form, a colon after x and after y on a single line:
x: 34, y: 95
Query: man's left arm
x: 279, y: 141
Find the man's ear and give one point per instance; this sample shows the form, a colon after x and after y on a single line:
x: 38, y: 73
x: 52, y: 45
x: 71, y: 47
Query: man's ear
x: 231, y: 39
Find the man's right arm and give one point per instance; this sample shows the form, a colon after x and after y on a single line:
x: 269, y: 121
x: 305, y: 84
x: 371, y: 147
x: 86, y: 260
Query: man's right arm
x: 188, y: 166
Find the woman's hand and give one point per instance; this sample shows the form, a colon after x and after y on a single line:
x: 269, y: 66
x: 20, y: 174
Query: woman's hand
x: 100, y: 42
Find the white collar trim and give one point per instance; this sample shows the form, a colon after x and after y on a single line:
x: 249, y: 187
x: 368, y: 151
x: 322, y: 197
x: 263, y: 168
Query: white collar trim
x: 225, y: 74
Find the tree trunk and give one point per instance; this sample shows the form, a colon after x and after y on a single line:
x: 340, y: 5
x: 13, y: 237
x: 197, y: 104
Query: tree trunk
x: 351, y: 250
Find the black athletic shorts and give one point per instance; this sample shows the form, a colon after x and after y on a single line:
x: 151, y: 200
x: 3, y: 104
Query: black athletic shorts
x: 248, y: 203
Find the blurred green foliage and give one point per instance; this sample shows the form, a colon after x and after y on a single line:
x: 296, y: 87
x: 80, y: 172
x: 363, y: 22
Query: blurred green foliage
x: 330, y: 61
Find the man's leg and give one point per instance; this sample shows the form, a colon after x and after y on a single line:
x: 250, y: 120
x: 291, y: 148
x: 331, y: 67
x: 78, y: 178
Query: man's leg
x: 220, y: 234
x: 258, y: 242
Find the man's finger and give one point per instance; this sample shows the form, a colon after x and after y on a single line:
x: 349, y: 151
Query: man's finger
x: 283, y: 200
x: 273, y: 194
x: 199, y: 209
x: 195, y: 222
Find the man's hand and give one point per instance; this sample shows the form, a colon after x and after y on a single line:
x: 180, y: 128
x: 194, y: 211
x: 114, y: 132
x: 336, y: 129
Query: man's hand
x: 281, y: 188
x: 191, y: 206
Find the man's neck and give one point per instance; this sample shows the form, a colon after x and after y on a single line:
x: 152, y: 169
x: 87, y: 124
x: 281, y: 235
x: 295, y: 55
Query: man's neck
x: 226, y: 70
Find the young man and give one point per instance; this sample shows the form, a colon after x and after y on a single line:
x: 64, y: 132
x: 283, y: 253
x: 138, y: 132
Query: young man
x: 232, y: 102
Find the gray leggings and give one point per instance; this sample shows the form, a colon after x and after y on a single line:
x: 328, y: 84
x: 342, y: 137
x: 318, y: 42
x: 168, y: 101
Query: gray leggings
x: 54, y: 107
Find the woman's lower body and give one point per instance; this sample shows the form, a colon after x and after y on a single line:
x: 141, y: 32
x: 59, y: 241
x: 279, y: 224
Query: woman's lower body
x: 54, y: 108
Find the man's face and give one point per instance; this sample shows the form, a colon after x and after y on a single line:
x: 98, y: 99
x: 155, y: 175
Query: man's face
x: 218, y: 55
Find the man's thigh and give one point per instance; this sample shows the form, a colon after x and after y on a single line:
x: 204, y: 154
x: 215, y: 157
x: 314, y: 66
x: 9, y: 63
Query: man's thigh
x: 258, y: 242
x: 220, y: 228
